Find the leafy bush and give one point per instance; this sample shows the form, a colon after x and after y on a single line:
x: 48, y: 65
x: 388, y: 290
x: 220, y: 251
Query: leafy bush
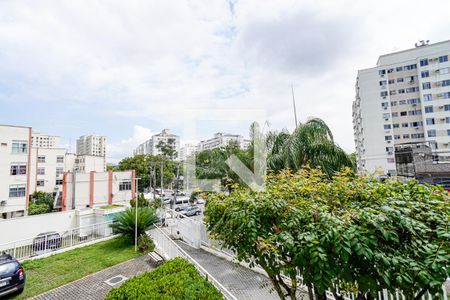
x: 175, y: 279
x: 37, y: 209
x: 145, y: 243
x: 142, y: 202
x: 348, y: 230
x: 125, y: 221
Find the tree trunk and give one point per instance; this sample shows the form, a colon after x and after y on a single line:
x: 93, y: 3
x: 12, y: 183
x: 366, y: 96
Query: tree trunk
x: 293, y: 290
x: 421, y: 293
x: 310, y: 291
x: 277, y: 287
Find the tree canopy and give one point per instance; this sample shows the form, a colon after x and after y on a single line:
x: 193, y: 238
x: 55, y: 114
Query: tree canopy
x: 347, y: 231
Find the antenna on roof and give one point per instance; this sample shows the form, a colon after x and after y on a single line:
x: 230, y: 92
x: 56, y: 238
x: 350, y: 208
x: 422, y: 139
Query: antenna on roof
x: 422, y: 43
x: 293, y: 102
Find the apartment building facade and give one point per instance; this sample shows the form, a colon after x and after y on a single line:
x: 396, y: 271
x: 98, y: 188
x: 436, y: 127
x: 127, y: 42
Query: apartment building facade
x: 150, y: 146
x: 91, y: 145
x: 42, y: 140
x: 404, y: 99
x: 222, y: 139
x: 15, y: 163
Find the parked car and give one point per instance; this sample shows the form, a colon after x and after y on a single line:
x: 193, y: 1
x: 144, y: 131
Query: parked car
x: 12, y: 276
x: 181, y: 203
x: 192, y: 210
x: 46, y: 241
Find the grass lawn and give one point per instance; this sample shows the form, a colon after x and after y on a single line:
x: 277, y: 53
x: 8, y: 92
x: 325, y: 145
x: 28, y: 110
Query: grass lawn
x: 51, y: 272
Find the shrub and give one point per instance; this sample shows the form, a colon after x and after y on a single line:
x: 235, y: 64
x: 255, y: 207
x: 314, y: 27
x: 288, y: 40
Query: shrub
x: 142, y: 202
x: 125, y: 221
x: 37, y: 209
x: 145, y: 243
x: 175, y: 279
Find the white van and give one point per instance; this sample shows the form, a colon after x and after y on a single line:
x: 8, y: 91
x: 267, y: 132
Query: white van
x: 181, y: 203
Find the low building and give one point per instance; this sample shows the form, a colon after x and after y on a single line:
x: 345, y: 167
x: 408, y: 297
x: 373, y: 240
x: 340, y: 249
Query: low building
x: 88, y: 163
x: 419, y: 161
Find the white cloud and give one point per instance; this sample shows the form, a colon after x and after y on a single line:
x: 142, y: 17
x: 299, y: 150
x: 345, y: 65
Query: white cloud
x: 153, y: 59
x: 125, y: 147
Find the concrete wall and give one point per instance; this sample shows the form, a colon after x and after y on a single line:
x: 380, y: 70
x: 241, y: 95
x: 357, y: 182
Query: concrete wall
x: 30, y: 226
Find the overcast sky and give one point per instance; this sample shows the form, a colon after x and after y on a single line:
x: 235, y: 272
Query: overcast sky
x: 127, y: 69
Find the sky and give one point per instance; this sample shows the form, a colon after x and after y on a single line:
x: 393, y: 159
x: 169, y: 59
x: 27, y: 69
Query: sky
x: 127, y: 69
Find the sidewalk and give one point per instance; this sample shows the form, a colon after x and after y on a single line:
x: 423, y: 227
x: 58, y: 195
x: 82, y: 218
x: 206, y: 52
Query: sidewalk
x: 93, y: 286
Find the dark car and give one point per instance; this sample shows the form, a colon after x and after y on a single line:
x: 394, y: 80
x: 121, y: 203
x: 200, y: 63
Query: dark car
x: 190, y: 211
x: 46, y: 241
x: 12, y: 276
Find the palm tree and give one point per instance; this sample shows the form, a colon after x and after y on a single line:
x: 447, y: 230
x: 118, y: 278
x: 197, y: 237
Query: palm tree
x: 311, y: 144
x: 125, y: 221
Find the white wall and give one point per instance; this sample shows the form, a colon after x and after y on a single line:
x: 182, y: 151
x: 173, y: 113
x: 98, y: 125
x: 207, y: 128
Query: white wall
x: 30, y: 226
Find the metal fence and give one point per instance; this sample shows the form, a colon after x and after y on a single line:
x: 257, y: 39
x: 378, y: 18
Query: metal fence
x: 52, y: 241
x: 170, y: 249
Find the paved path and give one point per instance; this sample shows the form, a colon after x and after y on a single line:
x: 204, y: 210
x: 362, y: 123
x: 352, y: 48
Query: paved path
x: 242, y: 282
x: 93, y: 286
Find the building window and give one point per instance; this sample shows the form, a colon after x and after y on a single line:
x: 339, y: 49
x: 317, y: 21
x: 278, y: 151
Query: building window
x: 416, y: 124
x: 382, y: 72
x: 430, y: 121
x: 59, y: 182
x: 387, y: 126
x: 398, y: 69
x: 395, y: 114
x: 444, y: 71
x: 424, y: 62
x: 391, y: 81
x: 59, y: 171
x: 40, y: 182
x: 447, y: 120
x: 392, y: 92
x: 396, y: 125
x: 388, y: 138
x: 125, y: 186
x: 411, y: 67
x: 390, y: 70
x: 445, y: 95
x: 383, y: 93
x: 447, y: 107
x: 383, y: 83
x: 428, y: 109
x: 397, y: 137
x: 406, y: 136
x: 412, y: 89
x: 385, y: 104
x: 41, y: 171
x: 19, y: 147
x: 401, y: 91
x: 18, y: 169
x: 414, y: 101
x: 393, y: 103
x: 389, y: 149
x: 17, y: 190
x: 60, y: 159
x: 402, y: 102
x: 417, y: 135
x: 403, y: 113
x: 426, y: 85
x: 425, y: 74
x: 431, y: 133
x: 41, y: 159
x: 404, y: 125
x: 414, y: 112
x: 443, y: 58
x: 386, y: 115
x: 427, y: 97
x: 400, y: 79
x: 391, y: 160
x: 445, y: 82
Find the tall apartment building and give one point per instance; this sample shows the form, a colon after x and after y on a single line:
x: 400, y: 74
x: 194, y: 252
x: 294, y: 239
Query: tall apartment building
x: 187, y: 150
x: 91, y: 145
x: 150, y: 146
x: 41, y: 140
x: 404, y: 99
x: 15, y: 162
x: 221, y: 139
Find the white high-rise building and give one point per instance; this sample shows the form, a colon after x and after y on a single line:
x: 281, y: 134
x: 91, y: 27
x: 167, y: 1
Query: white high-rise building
x: 41, y: 140
x: 91, y: 145
x: 187, y: 150
x: 404, y: 99
x: 221, y: 139
x: 150, y: 146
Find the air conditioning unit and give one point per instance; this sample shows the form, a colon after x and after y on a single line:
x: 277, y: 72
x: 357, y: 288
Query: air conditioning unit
x: 389, y: 142
x: 384, y: 97
x: 3, y: 203
x: 441, y: 106
x: 414, y: 104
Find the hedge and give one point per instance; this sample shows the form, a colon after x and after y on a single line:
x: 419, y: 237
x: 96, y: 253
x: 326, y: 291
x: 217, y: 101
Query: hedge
x: 175, y: 279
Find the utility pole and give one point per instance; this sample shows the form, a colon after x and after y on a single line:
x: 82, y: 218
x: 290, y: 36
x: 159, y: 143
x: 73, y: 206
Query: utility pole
x: 162, y: 181
x: 293, y: 102
x: 174, y: 200
x: 136, y: 218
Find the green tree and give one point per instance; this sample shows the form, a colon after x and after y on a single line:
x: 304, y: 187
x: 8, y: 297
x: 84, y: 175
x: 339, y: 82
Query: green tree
x: 350, y: 231
x: 41, y: 202
x: 142, y: 202
x: 125, y: 221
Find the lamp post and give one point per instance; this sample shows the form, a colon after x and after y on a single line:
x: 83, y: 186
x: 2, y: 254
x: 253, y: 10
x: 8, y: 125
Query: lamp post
x: 135, y: 221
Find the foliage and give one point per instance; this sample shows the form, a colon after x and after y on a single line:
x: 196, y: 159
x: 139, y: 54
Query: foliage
x: 211, y: 164
x: 167, y: 149
x: 125, y: 221
x: 175, y: 279
x: 145, y: 243
x: 43, y: 198
x: 37, y: 209
x: 74, y: 264
x: 348, y: 230
x: 144, y: 164
x: 142, y: 202
x: 311, y: 144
